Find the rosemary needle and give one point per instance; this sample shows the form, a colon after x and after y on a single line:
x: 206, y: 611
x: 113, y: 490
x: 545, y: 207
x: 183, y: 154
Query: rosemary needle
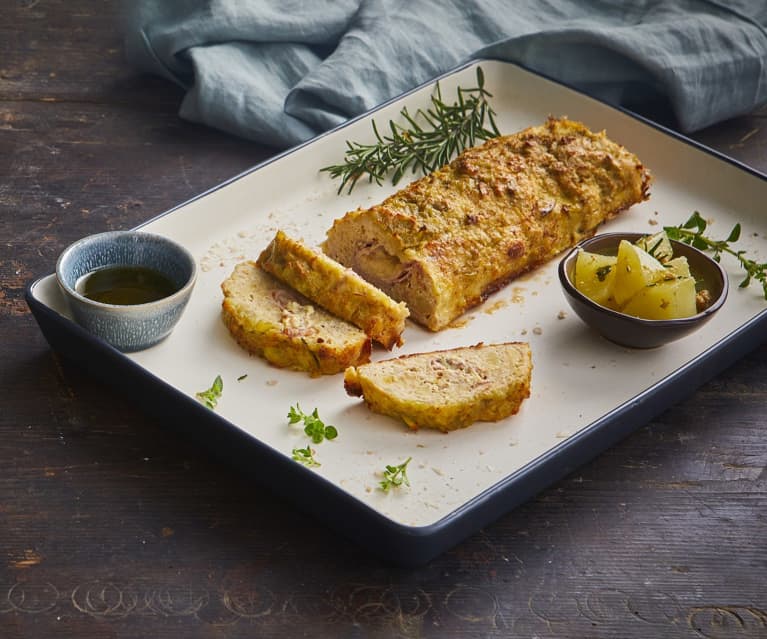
x: 427, y: 140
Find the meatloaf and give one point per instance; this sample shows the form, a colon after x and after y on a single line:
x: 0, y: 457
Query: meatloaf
x: 448, y: 240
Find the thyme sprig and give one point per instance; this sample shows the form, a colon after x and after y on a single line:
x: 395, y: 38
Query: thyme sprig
x: 428, y: 140
x: 395, y: 476
x: 692, y: 232
x: 314, y: 427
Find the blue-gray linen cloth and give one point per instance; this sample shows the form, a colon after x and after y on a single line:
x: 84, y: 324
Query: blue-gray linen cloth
x: 282, y: 71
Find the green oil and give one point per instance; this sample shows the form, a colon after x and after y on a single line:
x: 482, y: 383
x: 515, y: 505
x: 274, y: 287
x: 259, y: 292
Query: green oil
x: 125, y: 285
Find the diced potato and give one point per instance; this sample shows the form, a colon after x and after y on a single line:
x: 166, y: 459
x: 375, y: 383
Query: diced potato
x: 657, y: 245
x: 635, y: 269
x: 668, y: 299
x: 594, y: 275
x: 678, y: 267
x: 636, y: 283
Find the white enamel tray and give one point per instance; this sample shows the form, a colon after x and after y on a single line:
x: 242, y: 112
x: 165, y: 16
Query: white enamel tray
x: 586, y: 392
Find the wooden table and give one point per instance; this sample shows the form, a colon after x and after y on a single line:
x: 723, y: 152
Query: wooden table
x: 112, y: 527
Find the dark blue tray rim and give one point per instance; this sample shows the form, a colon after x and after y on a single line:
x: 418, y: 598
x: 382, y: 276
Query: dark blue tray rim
x: 401, y: 544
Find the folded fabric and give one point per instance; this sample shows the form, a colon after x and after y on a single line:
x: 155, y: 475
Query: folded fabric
x: 282, y: 71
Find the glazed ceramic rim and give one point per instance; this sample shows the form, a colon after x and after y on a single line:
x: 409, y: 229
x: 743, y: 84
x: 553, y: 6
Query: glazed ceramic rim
x: 564, y: 278
x: 131, y: 233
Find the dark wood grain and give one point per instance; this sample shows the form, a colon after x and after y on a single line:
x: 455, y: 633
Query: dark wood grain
x: 113, y: 527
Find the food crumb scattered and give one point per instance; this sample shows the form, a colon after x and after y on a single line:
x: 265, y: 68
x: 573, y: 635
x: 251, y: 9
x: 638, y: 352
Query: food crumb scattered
x: 460, y: 322
x: 563, y: 433
x: 271, y: 382
x: 537, y: 331
x: 437, y: 471
x: 561, y: 315
x: 652, y: 222
x: 496, y: 306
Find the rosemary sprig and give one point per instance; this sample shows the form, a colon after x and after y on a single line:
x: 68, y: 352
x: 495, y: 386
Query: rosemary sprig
x: 428, y: 140
x: 395, y: 476
x: 692, y: 232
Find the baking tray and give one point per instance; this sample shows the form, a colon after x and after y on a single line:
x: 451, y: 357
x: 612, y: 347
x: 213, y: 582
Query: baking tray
x: 587, y: 393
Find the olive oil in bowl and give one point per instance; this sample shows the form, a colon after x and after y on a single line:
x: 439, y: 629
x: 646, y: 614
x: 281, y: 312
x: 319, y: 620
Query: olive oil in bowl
x: 125, y: 285
x: 128, y: 288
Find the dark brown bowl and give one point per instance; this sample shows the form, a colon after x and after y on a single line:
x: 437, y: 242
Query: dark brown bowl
x: 627, y: 330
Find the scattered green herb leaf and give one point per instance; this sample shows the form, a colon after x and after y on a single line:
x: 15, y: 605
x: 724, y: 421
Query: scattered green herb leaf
x: 211, y: 396
x: 692, y: 232
x: 241, y: 377
x: 429, y: 139
x: 395, y: 476
x: 314, y: 427
x: 655, y: 247
x: 603, y: 272
x: 305, y: 456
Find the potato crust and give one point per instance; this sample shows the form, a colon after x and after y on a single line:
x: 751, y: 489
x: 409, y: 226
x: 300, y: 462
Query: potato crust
x: 448, y: 240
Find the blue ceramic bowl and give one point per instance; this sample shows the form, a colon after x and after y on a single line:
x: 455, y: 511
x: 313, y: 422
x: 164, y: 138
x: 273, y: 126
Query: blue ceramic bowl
x: 127, y: 327
x: 635, y: 332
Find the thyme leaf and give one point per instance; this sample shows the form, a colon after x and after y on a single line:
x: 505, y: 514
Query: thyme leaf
x: 603, y: 272
x: 429, y: 138
x: 211, y: 396
x: 305, y: 456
